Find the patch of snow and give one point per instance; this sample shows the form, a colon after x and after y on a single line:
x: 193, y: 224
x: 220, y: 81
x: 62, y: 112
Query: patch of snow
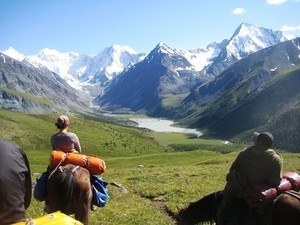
x: 3, y: 58
x: 251, y: 38
x: 13, y: 53
x: 199, y: 58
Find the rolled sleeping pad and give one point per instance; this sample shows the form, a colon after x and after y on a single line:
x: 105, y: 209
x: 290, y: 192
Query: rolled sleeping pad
x: 93, y: 164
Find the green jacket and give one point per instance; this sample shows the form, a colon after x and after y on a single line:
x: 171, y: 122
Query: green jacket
x: 254, y: 165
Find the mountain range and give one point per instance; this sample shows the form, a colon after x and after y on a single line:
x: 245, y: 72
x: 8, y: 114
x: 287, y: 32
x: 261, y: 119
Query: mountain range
x: 82, y: 69
x: 225, y: 89
x: 255, y: 91
x: 27, y: 89
x: 166, y: 73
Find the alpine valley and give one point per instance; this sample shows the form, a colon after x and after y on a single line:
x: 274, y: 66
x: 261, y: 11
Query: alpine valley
x: 247, y: 83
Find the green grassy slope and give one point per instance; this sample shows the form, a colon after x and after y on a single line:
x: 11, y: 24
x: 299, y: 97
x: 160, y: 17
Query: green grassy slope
x: 155, y: 178
x: 33, y: 132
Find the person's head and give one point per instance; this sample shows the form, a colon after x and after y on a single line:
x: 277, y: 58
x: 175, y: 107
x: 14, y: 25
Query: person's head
x: 254, y: 137
x: 265, y: 138
x: 62, y: 122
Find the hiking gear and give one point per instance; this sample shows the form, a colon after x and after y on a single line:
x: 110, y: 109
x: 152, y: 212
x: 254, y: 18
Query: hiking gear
x: 56, y: 218
x: 260, y: 195
x: 40, y: 190
x: 100, y: 192
x: 93, y: 164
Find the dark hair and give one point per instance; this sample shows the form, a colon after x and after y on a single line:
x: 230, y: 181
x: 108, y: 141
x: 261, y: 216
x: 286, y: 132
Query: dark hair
x: 62, y: 122
x: 266, y: 138
x: 61, y: 125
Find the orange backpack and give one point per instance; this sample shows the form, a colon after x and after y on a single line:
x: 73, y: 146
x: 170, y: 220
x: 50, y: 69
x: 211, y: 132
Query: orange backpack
x: 93, y: 164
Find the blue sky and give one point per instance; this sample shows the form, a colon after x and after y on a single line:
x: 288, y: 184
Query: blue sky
x: 89, y: 26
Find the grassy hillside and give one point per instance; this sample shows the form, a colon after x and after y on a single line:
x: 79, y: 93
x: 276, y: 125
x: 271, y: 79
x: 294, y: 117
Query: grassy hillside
x: 33, y: 133
x: 253, y: 94
x: 155, y: 177
x: 274, y: 108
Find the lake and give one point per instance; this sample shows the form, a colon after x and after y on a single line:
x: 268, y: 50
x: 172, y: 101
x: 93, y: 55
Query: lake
x: 160, y: 125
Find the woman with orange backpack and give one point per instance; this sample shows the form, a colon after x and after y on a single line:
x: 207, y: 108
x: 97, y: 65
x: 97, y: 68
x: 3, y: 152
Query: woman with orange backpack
x: 63, y: 140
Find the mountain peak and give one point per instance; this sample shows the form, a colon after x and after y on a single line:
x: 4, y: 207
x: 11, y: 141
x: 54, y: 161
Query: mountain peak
x: 248, y: 25
x: 13, y: 53
x: 120, y: 48
x: 161, y: 47
x: 249, y: 38
x: 48, y: 51
x: 245, y: 28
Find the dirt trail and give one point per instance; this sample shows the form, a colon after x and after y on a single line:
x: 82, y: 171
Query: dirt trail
x: 161, y: 206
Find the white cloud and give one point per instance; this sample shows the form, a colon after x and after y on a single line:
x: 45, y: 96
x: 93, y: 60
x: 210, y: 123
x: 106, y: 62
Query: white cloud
x: 290, y: 28
x: 239, y: 11
x: 276, y: 2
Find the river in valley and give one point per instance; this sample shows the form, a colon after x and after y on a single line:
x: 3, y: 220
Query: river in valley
x: 160, y: 125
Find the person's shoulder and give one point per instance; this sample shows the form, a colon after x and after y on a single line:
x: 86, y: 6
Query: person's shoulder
x: 55, y: 134
x: 71, y: 134
x: 9, y: 143
x: 248, y: 150
x: 276, y: 156
x: 10, y: 147
x: 271, y: 151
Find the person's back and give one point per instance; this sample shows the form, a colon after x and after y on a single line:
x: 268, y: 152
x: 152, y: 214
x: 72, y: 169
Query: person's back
x: 64, y: 140
x: 258, y: 164
x: 255, y: 165
x: 15, y: 183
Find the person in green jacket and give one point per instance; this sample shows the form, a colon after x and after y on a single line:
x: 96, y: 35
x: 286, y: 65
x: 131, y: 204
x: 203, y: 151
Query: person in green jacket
x: 258, y: 164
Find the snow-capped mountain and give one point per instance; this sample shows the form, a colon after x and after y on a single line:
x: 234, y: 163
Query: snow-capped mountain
x: 249, y: 38
x: 260, y: 91
x: 246, y: 39
x: 54, y: 60
x: 163, y: 71
x: 28, y: 89
x: 173, y: 71
x: 69, y: 65
x: 169, y: 72
x: 108, y: 63
x: 81, y: 69
x: 200, y: 58
x: 13, y: 53
x: 214, y: 88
